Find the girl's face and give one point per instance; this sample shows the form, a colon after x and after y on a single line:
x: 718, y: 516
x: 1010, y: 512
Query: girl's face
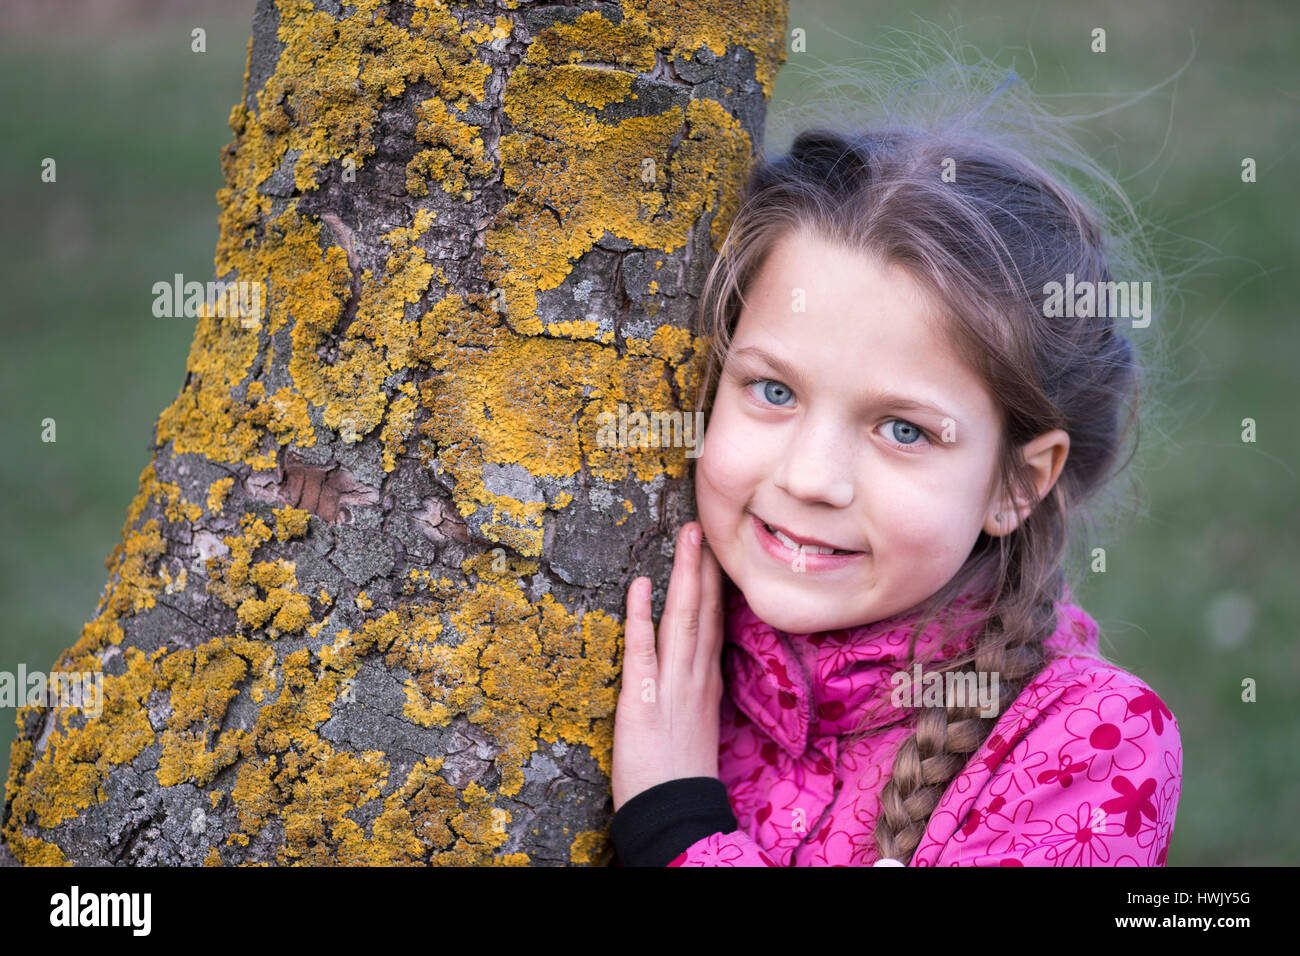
x: 843, y: 417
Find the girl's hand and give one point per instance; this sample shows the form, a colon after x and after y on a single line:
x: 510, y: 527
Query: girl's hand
x: 666, y: 721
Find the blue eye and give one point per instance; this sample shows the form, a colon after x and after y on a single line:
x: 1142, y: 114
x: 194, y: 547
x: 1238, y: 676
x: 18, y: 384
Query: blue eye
x: 773, y: 392
x: 908, y: 434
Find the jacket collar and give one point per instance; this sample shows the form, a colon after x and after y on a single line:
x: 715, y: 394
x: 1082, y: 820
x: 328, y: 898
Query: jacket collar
x: 801, y: 687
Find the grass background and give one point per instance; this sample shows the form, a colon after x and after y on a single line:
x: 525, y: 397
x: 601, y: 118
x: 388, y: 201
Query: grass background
x: 1198, y: 595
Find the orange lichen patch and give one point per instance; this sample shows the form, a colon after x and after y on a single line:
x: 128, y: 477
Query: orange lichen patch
x: 525, y: 672
x: 290, y: 522
x: 683, y: 27
x: 333, y: 75
x: 303, y: 704
x: 284, y: 607
x: 477, y: 824
x: 20, y: 752
x: 172, y: 585
x: 217, y: 492
x: 522, y: 672
x: 230, y: 572
x: 332, y: 78
x: 500, y: 30
x: 185, y: 756
x: 303, y: 285
x: 265, y: 594
x: 630, y: 509
x: 306, y: 286
x: 133, y: 590
x: 380, y: 339
x: 463, y: 828
x: 592, y: 38
x: 460, y: 152
x: 312, y: 787
x: 586, y: 846
x: 578, y: 329
x: 572, y: 178
x: 178, y: 509
x: 536, y: 402
x: 523, y: 540
x: 399, y: 424
x: 65, y: 777
x: 326, y: 785
x: 203, y: 680
x: 675, y: 347
x: 131, y: 586
x: 33, y: 851
x: 204, y: 418
x: 284, y: 414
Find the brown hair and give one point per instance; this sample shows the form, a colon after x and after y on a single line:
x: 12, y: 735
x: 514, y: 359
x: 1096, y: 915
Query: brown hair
x: 984, y: 244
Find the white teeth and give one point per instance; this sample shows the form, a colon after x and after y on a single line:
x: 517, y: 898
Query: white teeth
x: 794, y: 546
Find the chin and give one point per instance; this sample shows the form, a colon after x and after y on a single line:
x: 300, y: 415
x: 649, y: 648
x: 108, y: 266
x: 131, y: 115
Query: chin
x: 794, y: 615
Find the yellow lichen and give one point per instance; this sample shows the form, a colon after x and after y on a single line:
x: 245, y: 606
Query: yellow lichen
x: 65, y: 777
x: 33, y: 851
x: 179, y: 510
x: 290, y: 522
x: 217, y: 493
x: 537, y: 672
x: 588, y: 846
x: 399, y: 424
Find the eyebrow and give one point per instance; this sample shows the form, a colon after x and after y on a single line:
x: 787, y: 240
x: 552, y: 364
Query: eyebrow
x: 874, y: 397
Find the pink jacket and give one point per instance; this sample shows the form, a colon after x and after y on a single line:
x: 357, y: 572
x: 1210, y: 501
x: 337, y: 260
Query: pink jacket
x: 1083, y: 769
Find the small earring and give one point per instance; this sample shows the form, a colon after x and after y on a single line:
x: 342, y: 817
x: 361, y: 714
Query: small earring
x: 998, y: 516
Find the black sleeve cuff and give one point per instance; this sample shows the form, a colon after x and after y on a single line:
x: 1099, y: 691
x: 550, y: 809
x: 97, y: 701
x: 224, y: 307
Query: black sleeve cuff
x: 655, y: 826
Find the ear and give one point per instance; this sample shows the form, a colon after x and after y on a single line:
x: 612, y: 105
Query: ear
x: 1045, y: 456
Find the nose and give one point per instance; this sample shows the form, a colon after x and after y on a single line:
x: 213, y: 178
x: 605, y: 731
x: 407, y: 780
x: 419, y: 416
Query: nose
x: 817, y: 465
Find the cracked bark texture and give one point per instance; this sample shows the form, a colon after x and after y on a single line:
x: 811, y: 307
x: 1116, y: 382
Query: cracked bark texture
x: 367, y: 604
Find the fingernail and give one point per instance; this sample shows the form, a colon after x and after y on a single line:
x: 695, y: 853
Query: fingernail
x: 694, y: 534
x: 643, y: 588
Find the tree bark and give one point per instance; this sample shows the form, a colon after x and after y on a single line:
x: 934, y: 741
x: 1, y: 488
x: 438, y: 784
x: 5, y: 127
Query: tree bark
x: 367, y: 604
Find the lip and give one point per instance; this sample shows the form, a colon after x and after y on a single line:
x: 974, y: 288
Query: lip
x: 802, y: 540
x: 788, y: 556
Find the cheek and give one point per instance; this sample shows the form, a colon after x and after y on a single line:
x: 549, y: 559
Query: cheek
x: 925, y: 513
x: 732, y: 462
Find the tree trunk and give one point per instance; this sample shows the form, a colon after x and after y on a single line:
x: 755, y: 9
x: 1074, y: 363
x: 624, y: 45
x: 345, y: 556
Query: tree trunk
x: 367, y: 604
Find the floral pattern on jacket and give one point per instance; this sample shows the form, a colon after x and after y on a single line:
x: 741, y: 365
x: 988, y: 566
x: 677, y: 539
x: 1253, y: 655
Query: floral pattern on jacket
x: 1084, y: 768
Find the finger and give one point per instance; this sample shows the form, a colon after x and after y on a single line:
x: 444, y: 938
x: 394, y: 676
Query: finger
x: 711, y: 622
x: 680, y: 624
x: 639, y: 658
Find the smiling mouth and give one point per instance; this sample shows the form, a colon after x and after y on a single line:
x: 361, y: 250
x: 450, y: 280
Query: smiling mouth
x: 794, y: 545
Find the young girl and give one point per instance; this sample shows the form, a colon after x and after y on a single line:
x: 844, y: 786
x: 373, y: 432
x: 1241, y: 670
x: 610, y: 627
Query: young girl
x: 892, y: 670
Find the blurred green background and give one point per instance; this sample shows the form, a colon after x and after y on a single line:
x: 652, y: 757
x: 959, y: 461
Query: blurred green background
x: 1198, y: 595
